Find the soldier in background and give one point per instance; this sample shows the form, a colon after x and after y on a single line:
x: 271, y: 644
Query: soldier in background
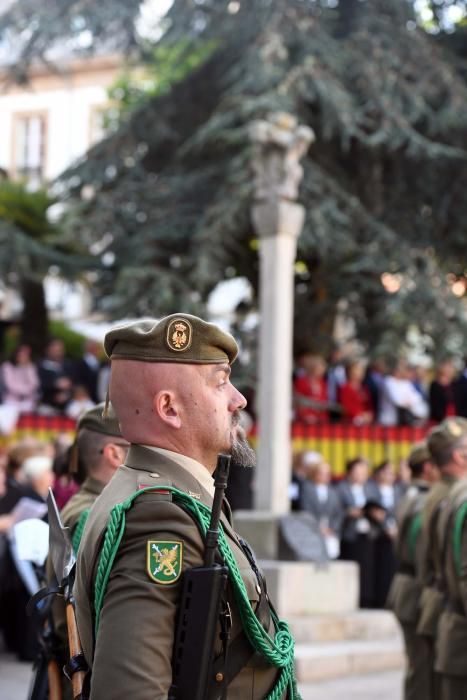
x: 404, y: 595
x: 447, y: 444
x: 451, y: 643
x: 98, y: 451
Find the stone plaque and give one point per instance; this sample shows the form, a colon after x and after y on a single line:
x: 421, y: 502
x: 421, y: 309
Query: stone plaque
x: 300, y: 539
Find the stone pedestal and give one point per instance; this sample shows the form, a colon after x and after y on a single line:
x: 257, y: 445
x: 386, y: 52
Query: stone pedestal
x: 279, y: 143
x: 280, y: 224
x: 303, y: 588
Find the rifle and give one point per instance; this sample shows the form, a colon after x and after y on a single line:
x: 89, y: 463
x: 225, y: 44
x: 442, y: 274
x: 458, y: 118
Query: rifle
x: 200, y: 609
x: 64, y: 563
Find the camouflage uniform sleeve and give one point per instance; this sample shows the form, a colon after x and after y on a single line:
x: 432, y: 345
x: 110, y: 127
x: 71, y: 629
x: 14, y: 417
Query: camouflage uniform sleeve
x: 133, y: 648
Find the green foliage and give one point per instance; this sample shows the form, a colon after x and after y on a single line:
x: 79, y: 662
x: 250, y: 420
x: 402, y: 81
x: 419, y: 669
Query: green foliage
x: 74, y: 342
x: 26, y: 209
x: 383, y: 184
x: 165, y: 66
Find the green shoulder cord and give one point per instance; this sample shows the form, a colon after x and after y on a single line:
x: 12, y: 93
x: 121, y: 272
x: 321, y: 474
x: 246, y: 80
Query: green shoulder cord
x: 279, y: 652
x: 457, y: 537
x: 79, y: 529
x: 414, y: 531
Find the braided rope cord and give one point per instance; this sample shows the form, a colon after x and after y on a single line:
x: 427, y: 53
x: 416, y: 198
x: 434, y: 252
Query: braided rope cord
x: 279, y: 651
x: 414, y: 532
x: 79, y: 529
x: 457, y: 537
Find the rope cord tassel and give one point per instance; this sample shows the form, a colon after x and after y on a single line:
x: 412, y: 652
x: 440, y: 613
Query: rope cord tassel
x: 279, y: 651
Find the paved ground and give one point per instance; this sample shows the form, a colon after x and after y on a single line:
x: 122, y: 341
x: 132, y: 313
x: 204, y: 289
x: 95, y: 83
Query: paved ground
x: 15, y: 678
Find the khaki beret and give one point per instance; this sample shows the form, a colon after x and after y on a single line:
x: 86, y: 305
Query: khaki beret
x: 419, y: 454
x: 94, y: 420
x: 445, y: 436
x: 176, y: 338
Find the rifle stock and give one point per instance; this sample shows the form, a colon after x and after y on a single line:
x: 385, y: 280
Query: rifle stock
x: 199, y: 611
x: 54, y: 677
x: 77, y: 677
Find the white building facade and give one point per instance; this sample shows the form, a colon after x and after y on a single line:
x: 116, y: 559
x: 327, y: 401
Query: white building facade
x: 52, y: 121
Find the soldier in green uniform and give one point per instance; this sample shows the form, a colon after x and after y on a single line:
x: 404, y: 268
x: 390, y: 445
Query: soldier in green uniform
x: 404, y: 595
x: 447, y: 443
x: 100, y: 449
x: 171, y: 390
x: 451, y: 643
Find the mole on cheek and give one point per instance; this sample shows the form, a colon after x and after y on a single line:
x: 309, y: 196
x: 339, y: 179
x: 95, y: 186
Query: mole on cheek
x: 137, y: 411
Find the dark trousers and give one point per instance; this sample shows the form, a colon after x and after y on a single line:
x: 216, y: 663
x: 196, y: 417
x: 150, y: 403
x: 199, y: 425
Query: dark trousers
x: 418, y: 677
x: 453, y: 688
x: 361, y: 550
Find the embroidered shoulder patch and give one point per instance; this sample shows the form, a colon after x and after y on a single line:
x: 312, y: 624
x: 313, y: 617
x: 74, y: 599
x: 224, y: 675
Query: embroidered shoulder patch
x: 164, y: 561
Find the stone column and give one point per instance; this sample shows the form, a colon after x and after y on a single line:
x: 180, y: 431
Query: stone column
x: 279, y: 144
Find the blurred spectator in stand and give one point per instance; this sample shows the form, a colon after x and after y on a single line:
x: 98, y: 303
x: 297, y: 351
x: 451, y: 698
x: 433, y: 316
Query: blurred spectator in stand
x: 80, y: 403
x: 302, y: 462
x: 403, y: 475
x: 356, y: 543
x: 354, y: 396
x: 103, y: 381
x: 442, y: 392
x: 20, y: 631
x: 420, y: 380
x: 374, y: 378
x: 17, y: 487
x: 400, y: 402
x: 310, y: 390
x: 20, y: 380
x: 335, y: 377
x: 321, y: 500
x: 384, y: 487
x: 386, y: 495
x: 65, y: 484
x: 460, y: 392
x: 86, y: 370
x: 38, y: 475
x: 55, y: 374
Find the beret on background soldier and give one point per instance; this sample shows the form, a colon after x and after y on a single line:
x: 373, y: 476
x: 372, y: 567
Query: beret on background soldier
x: 444, y: 437
x: 176, y: 338
x: 95, y: 420
x: 100, y: 419
x: 418, y: 454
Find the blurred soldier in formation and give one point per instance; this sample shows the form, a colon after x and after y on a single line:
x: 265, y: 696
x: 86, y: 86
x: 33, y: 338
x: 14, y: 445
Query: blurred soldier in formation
x: 447, y: 444
x: 404, y: 595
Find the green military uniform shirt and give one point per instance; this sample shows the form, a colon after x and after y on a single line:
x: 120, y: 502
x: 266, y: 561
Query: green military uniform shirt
x: 431, y: 559
x: 82, y: 500
x: 132, y: 653
x: 404, y: 595
x: 451, y: 644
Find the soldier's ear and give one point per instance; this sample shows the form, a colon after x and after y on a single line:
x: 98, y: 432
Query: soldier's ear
x: 166, y: 408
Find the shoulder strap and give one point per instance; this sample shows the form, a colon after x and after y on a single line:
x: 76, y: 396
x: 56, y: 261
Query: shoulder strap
x: 79, y: 529
x: 457, y: 536
x: 413, y: 533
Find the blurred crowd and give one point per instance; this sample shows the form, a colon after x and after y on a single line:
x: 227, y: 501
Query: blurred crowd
x: 388, y: 393
x: 55, y: 385
x: 356, y: 515
x: 27, y: 470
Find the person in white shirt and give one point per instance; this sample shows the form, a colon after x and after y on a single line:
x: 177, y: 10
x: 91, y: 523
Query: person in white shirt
x: 400, y: 402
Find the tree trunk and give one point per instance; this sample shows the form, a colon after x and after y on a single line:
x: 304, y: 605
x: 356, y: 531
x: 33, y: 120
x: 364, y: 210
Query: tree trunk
x: 34, y: 322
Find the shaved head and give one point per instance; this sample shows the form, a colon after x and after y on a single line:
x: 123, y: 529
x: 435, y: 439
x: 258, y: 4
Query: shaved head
x: 188, y: 408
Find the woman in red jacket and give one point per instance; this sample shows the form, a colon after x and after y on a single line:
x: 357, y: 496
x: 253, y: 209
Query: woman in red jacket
x: 354, y: 396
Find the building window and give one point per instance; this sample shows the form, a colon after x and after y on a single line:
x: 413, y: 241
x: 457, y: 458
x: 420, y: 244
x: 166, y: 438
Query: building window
x: 102, y: 122
x: 29, y: 147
